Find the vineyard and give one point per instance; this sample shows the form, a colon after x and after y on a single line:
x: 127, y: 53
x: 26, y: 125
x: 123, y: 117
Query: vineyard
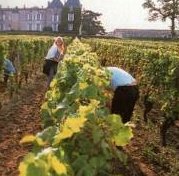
x: 74, y: 133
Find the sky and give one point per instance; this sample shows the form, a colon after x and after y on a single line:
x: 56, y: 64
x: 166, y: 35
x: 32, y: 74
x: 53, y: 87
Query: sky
x: 121, y: 14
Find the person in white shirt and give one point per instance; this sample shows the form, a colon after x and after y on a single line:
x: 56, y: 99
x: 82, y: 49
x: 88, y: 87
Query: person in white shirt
x: 54, y: 56
x: 126, y: 93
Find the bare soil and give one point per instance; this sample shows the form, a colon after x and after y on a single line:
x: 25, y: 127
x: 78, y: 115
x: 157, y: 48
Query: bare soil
x: 145, y: 148
x: 19, y: 117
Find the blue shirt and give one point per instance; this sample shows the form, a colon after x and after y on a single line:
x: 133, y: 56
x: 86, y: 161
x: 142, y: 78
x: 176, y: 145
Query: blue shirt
x: 8, y: 67
x: 120, y: 77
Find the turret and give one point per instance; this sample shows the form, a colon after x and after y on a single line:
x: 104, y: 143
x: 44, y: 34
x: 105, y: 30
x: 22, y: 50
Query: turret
x: 55, y: 4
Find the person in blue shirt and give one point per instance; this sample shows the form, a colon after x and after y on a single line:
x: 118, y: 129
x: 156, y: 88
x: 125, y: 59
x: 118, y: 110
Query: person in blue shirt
x: 126, y: 93
x: 53, y: 57
x: 9, y: 69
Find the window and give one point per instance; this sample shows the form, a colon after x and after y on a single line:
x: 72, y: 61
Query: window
x: 71, y: 17
x: 29, y: 17
x: 70, y: 27
x: 30, y: 27
x: 39, y: 16
x: 39, y: 27
x: 55, y: 18
x: 9, y: 27
x: 1, y: 27
x: 55, y: 27
x: 3, y: 17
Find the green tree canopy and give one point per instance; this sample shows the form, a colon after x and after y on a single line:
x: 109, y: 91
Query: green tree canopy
x: 163, y: 10
x: 91, y: 25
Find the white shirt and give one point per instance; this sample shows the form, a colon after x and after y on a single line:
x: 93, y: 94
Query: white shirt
x: 53, y: 53
x: 120, y: 77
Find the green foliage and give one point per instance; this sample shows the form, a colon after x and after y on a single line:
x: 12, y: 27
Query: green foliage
x: 91, y: 24
x: 1, y: 58
x: 27, y: 54
x: 63, y: 27
x: 155, y: 65
x: 163, y: 10
x: 84, y: 136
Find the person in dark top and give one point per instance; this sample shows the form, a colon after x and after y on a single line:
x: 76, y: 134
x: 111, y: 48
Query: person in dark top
x: 126, y: 93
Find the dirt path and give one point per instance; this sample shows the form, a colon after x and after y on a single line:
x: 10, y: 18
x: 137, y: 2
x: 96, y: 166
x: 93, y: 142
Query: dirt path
x: 17, y: 119
x: 145, y: 148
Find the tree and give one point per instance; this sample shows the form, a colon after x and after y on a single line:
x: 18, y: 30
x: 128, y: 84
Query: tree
x: 90, y: 23
x: 163, y: 10
x: 63, y: 27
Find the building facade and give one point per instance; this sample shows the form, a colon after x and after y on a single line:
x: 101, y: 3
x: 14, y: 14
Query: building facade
x: 141, y: 33
x: 38, y: 19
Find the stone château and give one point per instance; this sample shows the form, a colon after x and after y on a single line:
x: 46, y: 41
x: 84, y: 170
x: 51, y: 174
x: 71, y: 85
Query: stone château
x: 40, y: 19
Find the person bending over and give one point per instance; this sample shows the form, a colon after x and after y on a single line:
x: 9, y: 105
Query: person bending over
x: 126, y: 93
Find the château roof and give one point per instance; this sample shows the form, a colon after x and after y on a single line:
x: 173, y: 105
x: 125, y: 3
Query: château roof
x: 55, y: 4
x: 73, y: 3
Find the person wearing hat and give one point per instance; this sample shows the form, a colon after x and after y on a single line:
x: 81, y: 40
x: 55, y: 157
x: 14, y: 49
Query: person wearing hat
x: 54, y: 56
x: 126, y: 93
